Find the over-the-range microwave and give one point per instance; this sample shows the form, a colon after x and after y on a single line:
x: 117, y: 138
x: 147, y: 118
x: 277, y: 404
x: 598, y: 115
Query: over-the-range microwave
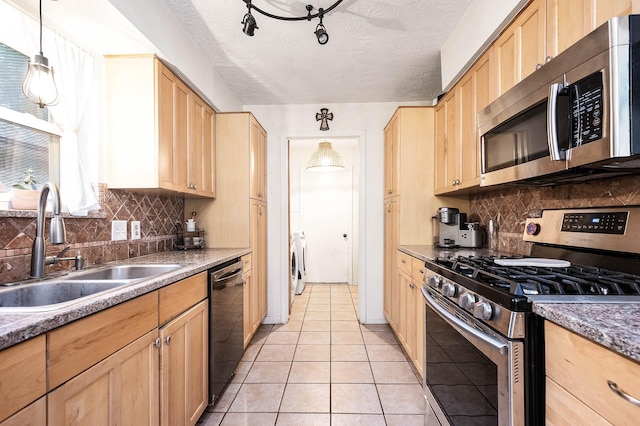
x: 575, y: 118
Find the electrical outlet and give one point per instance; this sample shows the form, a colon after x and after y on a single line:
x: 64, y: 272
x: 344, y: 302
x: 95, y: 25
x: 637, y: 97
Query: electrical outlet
x: 118, y: 230
x: 135, y: 230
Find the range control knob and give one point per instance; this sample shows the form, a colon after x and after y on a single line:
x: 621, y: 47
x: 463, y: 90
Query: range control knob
x: 434, y: 282
x: 482, y: 310
x: 449, y: 290
x: 467, y: 300
x: 533, y: 228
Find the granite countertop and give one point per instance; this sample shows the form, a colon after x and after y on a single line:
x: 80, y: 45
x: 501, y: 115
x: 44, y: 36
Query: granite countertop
x: 613, y: 325
x: 16, y: 327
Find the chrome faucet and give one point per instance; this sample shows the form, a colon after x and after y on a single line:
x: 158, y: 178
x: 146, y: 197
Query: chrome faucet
x: 58, y: 233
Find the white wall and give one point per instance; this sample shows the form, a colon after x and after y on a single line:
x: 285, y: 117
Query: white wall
x: 363, y: 121
x: 481, y: 23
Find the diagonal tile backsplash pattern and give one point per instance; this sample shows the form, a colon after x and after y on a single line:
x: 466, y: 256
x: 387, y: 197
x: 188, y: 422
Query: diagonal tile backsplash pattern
x: 91, y: 236
x: 509, y: 207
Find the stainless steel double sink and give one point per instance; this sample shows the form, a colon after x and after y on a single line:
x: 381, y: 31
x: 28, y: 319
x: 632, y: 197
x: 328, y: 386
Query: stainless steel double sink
x: 56, y: 293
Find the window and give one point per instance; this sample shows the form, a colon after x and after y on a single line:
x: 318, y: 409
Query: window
x: 27, y: 141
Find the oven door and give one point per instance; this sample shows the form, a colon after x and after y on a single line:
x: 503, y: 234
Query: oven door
x: 471, y: 373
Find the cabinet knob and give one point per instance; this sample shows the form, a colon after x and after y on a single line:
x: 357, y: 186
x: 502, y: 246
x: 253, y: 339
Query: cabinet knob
x: 259, y: 194
x: 156, y: 342
x: 389, y: 191
x: 168, y: 340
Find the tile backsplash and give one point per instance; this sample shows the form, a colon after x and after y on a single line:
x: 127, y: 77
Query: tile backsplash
x: 91, y: 236
x: 509, y: 207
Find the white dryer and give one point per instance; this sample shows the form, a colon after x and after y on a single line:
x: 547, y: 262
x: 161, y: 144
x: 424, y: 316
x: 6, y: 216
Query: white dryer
x: 294, y: 260
x: 301, y: 246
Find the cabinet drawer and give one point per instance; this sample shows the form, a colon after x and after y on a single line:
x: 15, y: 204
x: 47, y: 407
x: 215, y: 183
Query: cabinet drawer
x: 563, y: 409
x: 22, y: 375
x: 583, y: 368
x: 404, y: 262
x: 77, y: 346
x: 417, y: 271
x: 246, y: 262
x: 177, y: 298
x: 32, y: 415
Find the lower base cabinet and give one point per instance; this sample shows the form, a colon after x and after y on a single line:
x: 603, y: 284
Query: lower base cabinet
x: 32, y: 415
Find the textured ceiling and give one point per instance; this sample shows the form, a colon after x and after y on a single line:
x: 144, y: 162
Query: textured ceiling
x: 378, y: 50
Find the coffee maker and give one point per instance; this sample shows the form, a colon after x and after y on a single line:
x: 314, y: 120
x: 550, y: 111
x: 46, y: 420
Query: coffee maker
x: 455, y: 231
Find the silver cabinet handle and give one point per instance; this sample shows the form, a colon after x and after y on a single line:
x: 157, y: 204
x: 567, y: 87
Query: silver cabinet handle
x: 168, y: 340
x: 622, y: 394
x: 156, y: 342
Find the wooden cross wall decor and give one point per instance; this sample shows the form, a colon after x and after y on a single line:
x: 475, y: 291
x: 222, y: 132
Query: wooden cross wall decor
x: 324, y: 115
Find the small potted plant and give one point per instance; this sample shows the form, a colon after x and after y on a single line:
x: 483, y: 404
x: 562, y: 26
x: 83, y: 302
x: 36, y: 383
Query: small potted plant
x: 25, y: 194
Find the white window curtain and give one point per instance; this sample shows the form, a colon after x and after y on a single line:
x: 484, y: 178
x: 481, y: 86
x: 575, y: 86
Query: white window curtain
x: 75, y: 75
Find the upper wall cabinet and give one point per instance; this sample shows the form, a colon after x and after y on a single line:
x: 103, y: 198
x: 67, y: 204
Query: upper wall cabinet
x: 160, y: 133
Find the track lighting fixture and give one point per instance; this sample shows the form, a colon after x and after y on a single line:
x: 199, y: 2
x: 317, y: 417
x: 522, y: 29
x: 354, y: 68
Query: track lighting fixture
x: 39, y: 86
x: 249, y: 22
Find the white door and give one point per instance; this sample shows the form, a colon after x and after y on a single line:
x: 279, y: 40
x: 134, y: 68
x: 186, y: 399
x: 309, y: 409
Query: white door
x: 326, y: 219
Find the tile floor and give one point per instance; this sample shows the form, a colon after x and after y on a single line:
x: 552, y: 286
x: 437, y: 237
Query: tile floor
x: 322, y: 368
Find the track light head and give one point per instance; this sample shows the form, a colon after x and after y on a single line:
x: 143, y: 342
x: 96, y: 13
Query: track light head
x: 321, y: 34
x: 249, y: 23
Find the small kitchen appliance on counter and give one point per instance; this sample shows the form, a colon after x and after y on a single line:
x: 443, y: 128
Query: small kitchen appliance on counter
x: 455, y: 231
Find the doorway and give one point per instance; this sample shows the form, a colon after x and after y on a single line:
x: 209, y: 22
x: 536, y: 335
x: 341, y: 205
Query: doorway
x: 324, y: 205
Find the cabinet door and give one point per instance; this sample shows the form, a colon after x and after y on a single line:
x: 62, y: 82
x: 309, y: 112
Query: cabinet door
x: 173, y: 122
x: 32, y: 415
x: 258, y: 151
x: 391, y: 232
x: 258, y: 217
x: 468, y: 166
x: 403, y: 284
x: 411, y: 320
x: 391, y: 150
x: 247, y: 306
x: 122, y: 390
x: 201, y: 149
x: 184, y: 367
x: 446, y: 139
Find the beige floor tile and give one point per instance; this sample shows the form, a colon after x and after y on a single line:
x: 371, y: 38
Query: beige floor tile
x: 404, y: 419
x: 319, y: 307
x: 354, y: 288
x: 315, y: 338
x: 346, y: 338
x: 393, y: 372
x: 339, y: 288
x: 379, y: 338
x: 338, y: 325
x: 251, y: 352
x: 303, y: 419
x: 375, y: 327
x: 357, y: 420
x: 230, y: 392
x: 385, y: 353
x: 343, y: 316
x: 348, y: 353
x: 342, y: 300
x: 292, y: 325
x: 269, y: 372
x: 258, y: 397
x: 210, y: 419
x: 259, y: 337
x: 241, y: 372
x: 276, y: 353
x: 316, y: 325
x: 318, y: 315
x: 402, y: 399
x: 351, y: 372
x: 306, y: 398
x: 310, y: 372
x: 265, y: 327
x: 282, y: 338
x: 312, y: 353
x: 325, y: 288
x: 298, y: 315
x: 355, y: 399
x: 342, y: 308
x: 249, y: 419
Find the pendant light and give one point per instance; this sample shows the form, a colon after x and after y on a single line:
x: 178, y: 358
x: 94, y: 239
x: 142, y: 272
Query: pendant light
x: 325, y: 158
x: 39, y: 85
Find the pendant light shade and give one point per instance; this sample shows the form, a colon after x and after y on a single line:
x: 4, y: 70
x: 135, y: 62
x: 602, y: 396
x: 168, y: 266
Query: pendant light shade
x: 325, y: 158
x: 39, y: 86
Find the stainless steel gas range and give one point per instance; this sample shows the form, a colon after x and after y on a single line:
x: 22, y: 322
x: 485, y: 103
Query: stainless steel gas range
x: 484, y: 348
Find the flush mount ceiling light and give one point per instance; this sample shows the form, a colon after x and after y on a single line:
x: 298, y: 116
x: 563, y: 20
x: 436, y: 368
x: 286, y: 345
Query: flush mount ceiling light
x: 249, y: 23
x: 325, y: 158
x: 39, y: 86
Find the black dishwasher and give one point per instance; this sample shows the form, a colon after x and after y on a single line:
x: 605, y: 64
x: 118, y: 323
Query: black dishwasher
x: 226, y: 335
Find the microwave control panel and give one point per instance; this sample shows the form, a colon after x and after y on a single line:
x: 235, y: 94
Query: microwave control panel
x: 586, y: 99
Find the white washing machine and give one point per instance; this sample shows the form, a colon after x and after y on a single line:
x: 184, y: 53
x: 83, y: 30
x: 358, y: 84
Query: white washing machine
x: 301, y: 246
x: 294, y: 259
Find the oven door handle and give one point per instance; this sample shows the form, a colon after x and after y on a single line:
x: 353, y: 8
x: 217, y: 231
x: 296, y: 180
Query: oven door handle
x: 496, y: 344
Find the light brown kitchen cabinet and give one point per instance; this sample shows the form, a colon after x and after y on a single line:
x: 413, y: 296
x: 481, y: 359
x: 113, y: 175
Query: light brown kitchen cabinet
x: 238, y: 215
x: 32, y: 415
x: 250, y: 300
x: 391, y: 295
x: 24, y: 377
x: 158, y: 129
x: 184, y: 367
x: 391, y: 166
x: 417, y: 275
x: 447, y: 144
x: 121, y: 389
x: 577, y: 397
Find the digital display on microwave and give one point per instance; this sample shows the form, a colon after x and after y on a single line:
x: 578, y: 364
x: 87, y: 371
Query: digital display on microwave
x: 586, y: 100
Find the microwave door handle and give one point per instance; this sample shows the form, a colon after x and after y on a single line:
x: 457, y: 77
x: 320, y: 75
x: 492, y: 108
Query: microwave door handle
x: 552, y: 120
